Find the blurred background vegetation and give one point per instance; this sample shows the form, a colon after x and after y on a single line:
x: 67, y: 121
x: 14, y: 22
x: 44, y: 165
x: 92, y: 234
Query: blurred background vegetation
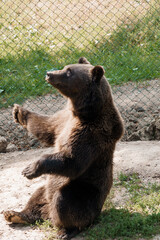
x: 36, y: 36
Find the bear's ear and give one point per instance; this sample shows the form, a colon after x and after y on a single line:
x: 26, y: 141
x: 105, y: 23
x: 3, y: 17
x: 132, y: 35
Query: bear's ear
x: 83, y: 60
x: 97, y: 73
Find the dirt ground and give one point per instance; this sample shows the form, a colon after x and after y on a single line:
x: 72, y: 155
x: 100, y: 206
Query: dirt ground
x: 142, y: 157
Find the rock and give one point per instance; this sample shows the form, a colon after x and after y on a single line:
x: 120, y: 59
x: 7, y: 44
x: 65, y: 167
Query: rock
x: 3, y: 144
x: 140, y: 109
x: 133, y: 119
x: 149, y: 132
x: 2, y: 132
x: 157, y: 131
x: 157, y: 123
x: 11, y: 147
x: 134, y: 137
x: 152, y: 132
x: 34, y: 143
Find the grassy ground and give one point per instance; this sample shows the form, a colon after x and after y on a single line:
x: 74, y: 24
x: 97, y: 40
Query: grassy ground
x: 128, y: 53
x: 135, y: 216
x: 138, y: 217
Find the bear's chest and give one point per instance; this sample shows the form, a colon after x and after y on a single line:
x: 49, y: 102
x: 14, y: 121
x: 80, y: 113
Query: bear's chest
x: 63, y: 139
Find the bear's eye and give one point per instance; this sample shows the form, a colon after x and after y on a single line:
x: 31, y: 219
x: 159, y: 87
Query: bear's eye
x: 69, y: 72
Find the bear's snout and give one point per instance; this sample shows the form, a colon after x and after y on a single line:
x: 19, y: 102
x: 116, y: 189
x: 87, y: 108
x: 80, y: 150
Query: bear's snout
x: 48, y: 76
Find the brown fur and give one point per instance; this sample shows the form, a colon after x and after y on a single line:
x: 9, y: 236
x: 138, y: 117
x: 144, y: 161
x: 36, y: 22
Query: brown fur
x: 84, y: 135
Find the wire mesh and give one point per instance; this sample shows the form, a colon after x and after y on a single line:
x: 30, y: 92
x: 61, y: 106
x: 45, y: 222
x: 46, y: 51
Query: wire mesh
x: 123, y: 36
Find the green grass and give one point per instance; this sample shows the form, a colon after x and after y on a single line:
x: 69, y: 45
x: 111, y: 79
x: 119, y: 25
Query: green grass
x: 130, y: 53
x: 138, y: 218
x: 121, y: 224
x: 49, y: 231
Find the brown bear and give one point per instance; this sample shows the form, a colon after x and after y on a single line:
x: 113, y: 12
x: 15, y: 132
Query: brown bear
x: 84, y: 135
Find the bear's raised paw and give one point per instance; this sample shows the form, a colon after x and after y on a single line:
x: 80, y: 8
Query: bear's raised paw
x: 15, y: 113
x: 20, y: 115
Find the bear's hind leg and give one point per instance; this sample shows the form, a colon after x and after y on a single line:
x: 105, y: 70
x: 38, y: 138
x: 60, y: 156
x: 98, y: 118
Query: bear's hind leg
x: 74, y: 207
x: 36, y: 209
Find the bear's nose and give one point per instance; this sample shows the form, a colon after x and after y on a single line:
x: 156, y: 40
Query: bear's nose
x: 48, y: 75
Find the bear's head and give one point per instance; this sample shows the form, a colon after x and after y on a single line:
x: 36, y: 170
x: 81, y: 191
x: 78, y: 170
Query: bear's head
x: 83, y: 84
x: 75, y: 79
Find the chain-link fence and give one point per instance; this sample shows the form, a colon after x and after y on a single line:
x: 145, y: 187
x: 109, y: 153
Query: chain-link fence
x: 38, y: 35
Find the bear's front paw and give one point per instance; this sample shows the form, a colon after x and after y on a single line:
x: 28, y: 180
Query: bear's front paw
x: 33, y: 170
x: 20, y: 115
